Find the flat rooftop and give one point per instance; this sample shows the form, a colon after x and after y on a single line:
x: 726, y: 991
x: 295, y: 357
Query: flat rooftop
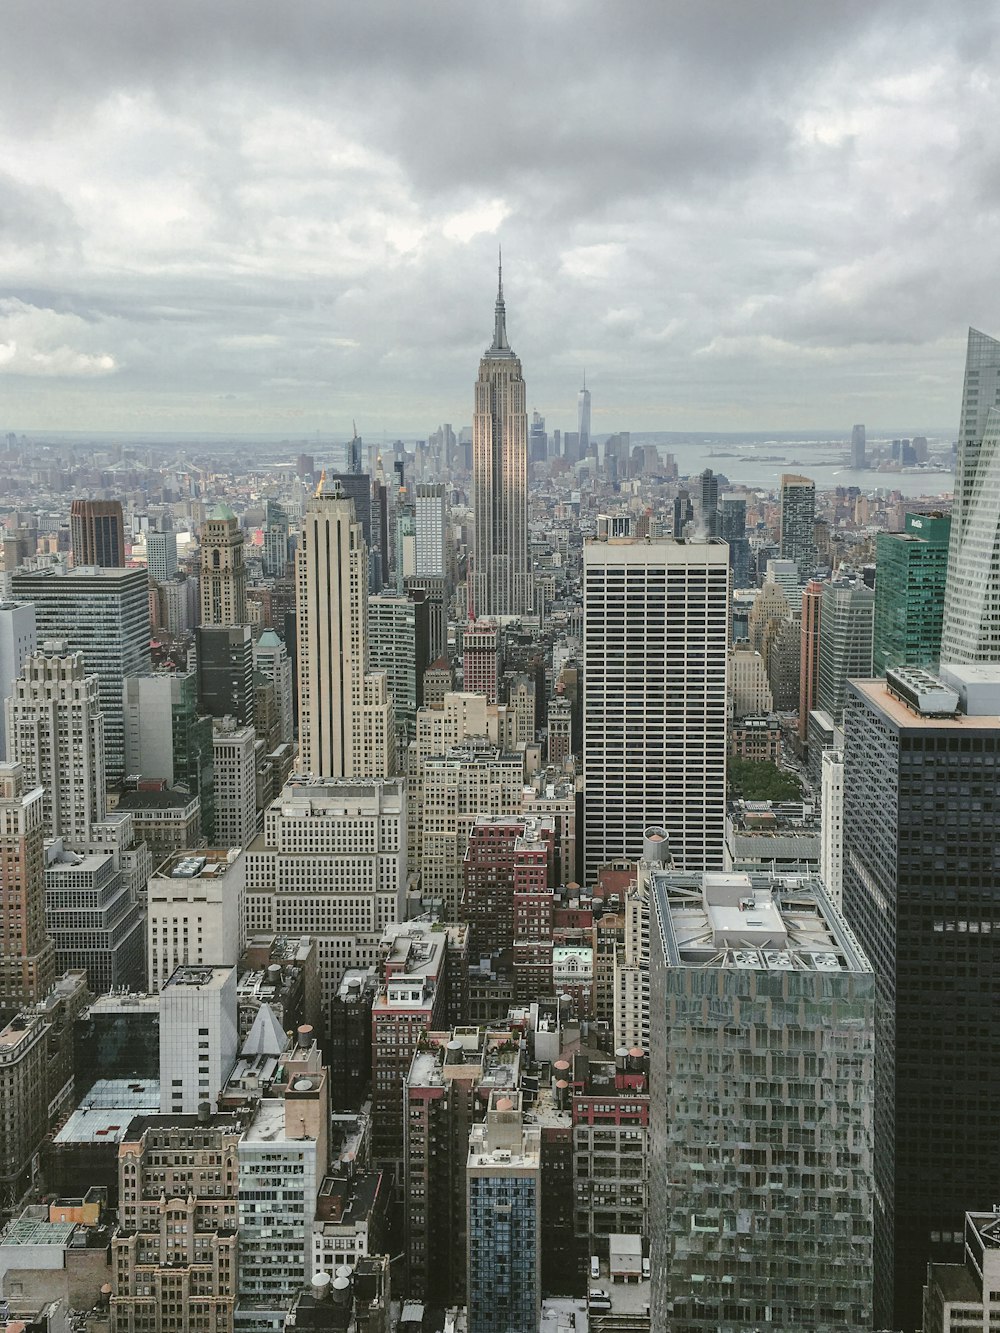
x: 198, y: 977
x: 206, y: 863
x: 752, y: 921
x: 108, y: 1109
x: 876, y: 693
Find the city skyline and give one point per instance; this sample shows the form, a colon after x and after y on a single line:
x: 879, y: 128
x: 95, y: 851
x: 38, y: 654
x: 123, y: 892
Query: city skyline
x: 234, y: 226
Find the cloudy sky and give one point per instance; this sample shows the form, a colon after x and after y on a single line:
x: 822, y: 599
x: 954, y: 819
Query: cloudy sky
x: 236, y: 216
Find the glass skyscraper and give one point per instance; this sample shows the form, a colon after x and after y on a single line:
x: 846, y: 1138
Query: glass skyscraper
x: 762, y: 1036
x: 798, y: 516
x: 922, y: 893
x: 911, y: 566
x: 971, y: 630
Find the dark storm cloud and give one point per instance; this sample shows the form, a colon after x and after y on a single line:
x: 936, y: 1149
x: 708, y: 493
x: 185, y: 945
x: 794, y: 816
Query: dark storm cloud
x: 768, y: 213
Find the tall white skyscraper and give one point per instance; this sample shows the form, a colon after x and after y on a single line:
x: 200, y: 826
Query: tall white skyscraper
x: 430, y: 530
x: 346, y: 724
x: 971, y: 630
x: 656, y: 615
x: 55, y: 731
x: 501, y: 574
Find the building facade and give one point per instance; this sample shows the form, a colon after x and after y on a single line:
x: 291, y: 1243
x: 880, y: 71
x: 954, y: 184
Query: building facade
x: 656, y: 619
x: 971, y: 625
x: 845, y: 643
x: 17, y: 643
x: 922, y: 892
x: 223, y: 573
x: 798, y: 516
x: 330, y: 863
x: 103, y: 613
x: 56, y: 732
x: 97, y: 533
x: 27, y: 956
x: 346, y: 724
x: 912, y: 568
x: 762, y: 1016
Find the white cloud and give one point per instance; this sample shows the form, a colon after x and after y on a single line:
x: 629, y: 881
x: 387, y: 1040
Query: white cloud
x: 38, y: 342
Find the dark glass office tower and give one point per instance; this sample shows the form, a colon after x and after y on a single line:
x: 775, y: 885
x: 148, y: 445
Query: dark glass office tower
x: 922, y: 893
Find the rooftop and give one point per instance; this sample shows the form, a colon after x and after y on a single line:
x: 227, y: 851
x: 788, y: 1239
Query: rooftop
x: 106, y: 1110
x: 37, y: 1231
x: 203, y: 977
x: 876, y: 694
x: 750, y: 921
x: 206, y: 863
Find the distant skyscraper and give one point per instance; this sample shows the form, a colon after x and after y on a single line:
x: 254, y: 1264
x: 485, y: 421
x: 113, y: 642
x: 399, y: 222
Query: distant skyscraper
x: 583, y: 419
x: 845, y: 643
x: 537, y: 439
x: 97, y: 533
x: 275, y: 549
x: 56, y: 733
x: 430, y: 519
x: 27, y: 955
x: 858, y: 460
x: 346, y: 726
x: 798, y: 515
x: 971, y: 630
x: 708, y: 503
x: 17, y: 643
x: 161, y: 551
x: 912, y: 568
x: 812, y: 602
x: 683, y: 512
x: 733, y: 531
x: 656, y: 616
x: 103, y: 613
x: 922, y: 894
x: 223, y: 575
x: 501, y: 573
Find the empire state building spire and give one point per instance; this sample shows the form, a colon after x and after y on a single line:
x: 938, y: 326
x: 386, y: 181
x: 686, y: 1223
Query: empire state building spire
x: 501, y: 573
x: 500, y: 345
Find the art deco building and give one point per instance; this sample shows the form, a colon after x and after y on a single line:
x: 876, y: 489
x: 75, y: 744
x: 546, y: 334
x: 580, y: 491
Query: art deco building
x: 971, y: 631
x: 223, y: 575
x: 55, y: 730
x: 346, y: 723
x: 501, y: 574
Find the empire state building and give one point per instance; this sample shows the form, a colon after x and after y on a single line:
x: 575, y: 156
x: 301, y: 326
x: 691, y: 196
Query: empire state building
x: 501, y: 575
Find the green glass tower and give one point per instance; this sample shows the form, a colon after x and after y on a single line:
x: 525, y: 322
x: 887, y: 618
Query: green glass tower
x: 911, y: 571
